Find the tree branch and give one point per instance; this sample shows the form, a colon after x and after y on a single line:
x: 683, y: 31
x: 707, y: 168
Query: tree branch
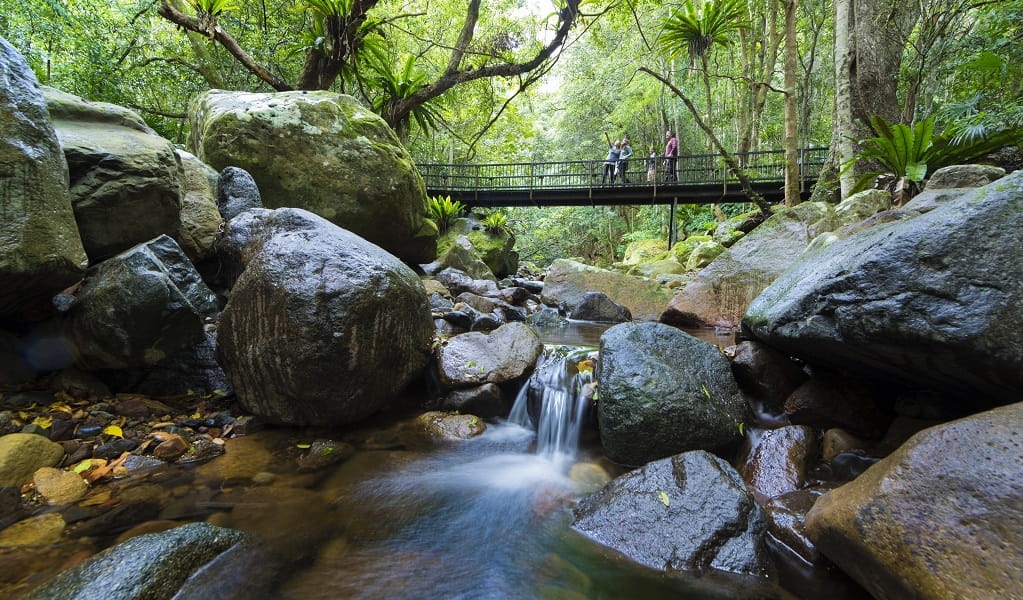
x: 227, y: 41
x: 744, y: 181
x: 472, y: 16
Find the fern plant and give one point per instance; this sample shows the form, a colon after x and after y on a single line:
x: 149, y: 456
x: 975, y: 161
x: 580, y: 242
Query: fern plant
x: 444, y: 210
x: 495, y: 222
x: 398, y: 85
x: 207, y: 12
x: 911, y: 153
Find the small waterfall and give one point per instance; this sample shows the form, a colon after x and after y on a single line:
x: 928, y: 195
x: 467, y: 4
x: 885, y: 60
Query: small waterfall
x: 555, y: 400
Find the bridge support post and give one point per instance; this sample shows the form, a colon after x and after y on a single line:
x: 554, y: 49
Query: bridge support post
x: 672, y: 234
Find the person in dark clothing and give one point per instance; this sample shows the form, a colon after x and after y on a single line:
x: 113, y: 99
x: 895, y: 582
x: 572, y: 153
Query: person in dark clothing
x: 611, y: 162
x: 670, y: 158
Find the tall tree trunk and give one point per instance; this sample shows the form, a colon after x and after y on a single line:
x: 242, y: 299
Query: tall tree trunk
x: 792, y: 174
x: 842, y: 130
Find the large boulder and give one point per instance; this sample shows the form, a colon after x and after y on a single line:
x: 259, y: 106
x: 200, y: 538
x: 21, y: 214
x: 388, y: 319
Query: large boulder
x: 125, y: 179
x: 688, y: 512
x: 200, y: 218
x: 568, y: 281
x: 137, y: 308
x: 153, y: 566
x: 722, y: 291
x: 355, y: 319
x: 236, y: 192
x: 942, y: 517
x: 475, y: 358
x: 663, y: 391
x: 643, y: 250
x: 935, y: 301
x: 963, y: 176
x: 40, y: 250
x: 860, y: 206
x: 21, y: 454
x: 322, y: 152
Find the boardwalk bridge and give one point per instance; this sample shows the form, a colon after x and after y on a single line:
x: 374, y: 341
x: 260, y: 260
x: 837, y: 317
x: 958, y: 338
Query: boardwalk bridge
x: 701, y: 179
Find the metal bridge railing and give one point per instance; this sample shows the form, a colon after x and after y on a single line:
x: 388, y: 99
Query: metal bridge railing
x: 581, y: 174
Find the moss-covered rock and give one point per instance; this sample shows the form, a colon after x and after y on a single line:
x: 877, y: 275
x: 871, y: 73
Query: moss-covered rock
x: 641, y: 250
x: 703, y: 254
x: 322, y: 152
x: 200, y: 218
x: 865, y: 204
x: 568, y: 281
x: 681, y: 250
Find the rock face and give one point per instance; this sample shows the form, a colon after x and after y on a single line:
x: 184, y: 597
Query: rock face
x: 355, y: 318
x: 137, y: 308
x: 200, y: 219
x: 475, y: 358
x: 568, y: 281
x: 147, y: 566
x: 724, y: 289
x: 125, y: 179
x: 687, y: 512
x: 942, y: 517
x: 662, y: 391
x: 40, y: 249
x: 935, y: 300
x: 322, y: 152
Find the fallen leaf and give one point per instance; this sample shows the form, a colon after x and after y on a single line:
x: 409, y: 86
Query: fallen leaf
x: 85, y: 465
x: 664, y: 498
x: 113, y: 430
x: 44, y: 422
x: 303, y: 446
x: 60, y: 407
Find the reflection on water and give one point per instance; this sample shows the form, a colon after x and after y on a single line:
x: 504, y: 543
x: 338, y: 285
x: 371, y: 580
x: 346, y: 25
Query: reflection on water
x: 587, y: 333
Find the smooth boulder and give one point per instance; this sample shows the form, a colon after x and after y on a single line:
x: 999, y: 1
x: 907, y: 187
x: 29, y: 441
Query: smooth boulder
x: 568, y: 281
x: 322, y: 152
x: 200, y: 219
x: 663, y: 391
x: 322, y: 326
x: 41, y: 252
x: 125, y: 179
x: 932, y: 301
x: 475, y: 358
x: 941, y: 517
x: 687, y: 512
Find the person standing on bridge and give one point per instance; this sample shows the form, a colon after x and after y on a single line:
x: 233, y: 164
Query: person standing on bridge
x: 670, y: 158
x: 623, y: 160
x: 651, y: 166
x: 611, y: 162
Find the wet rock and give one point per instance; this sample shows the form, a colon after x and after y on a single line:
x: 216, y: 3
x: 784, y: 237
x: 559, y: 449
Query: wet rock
x: 460, y: 319
x: 860, y: 206
x: 147, y: 566
x: 459, y: 282
x: 236, y: 192
x: 662, y: 391
x: 245, y: 570
x: 779, y: 460
x: 117, y: 519
x: 687, y: 512
x: 440, y: 303
x: 472, y: 359
x: 193, y: 370
x: 567, y: 282
x: 588, y: 477
x: 484, y: 401
x: 42, y: 252
x: 22, y: 454
x: 323, y: 288
x: 486, y: 322
x: 939, y: 518
x: 171, y: 448
x: 323, y: 453
x: 241, y: 238
x: 724, y: 289
x: 836, y: 441
x: 199, y: 218
x: 963, y: 176
x: 200, y: 450
x: 442, y: 426
x: 37, y: 531
x: 596, y: 306
x: 836, y: 401
x: 59, y: 487
x: 786, y: 517
x: 138, y: 307
x: 480, y: 303
x: 243, y: 458
x: 847, y: 466
x: 766, y: 373
x: 547, y: 317
x: 931, y: 301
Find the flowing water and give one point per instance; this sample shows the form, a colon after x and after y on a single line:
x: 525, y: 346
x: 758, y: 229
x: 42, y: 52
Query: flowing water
x: 489, y: 517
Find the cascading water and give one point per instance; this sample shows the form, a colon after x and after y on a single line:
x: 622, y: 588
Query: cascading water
x: 558, y: 393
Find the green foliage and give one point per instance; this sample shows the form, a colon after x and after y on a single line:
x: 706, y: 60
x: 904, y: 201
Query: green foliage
x: 327, y: 8
x: 400, y: 84
x: 914, y: 152
x: 495, y: 222
x: 701, y: 24
x: 214, y: 7
x: 444, y: 210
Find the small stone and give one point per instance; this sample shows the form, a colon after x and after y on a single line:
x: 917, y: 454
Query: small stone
x: 34, y: 429
x: 202, y: 449
x: 837, y: 441
x: 323, y: 453
x: 171, y: 449
x: 114, y: 448
x: 264, y: 478
x: 41, y: 530
x: 59, y: 487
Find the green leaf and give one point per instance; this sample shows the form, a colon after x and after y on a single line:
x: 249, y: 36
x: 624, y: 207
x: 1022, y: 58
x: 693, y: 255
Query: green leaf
x: 705, y: 392
x: 83, y: 466
x: 664, y: 498
x: 742, y: 429
x: 303, y: 446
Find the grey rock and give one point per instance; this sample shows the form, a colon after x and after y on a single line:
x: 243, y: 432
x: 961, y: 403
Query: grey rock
x: 331, y: 294
x: 236, y: 192
x: 765, y: 373
x: 40, y: 249
x: 472, y: 359
x: 963, y: 176
x: 484, y: 401
x: 193, y: 370
x: 547, y: 317
x: 242, y: 236
x: 689, y: 512
x: 596, y: 306
x: 200, y: 219
x: 663, y: 391
x: 934, y: 301
x: 147, y: 566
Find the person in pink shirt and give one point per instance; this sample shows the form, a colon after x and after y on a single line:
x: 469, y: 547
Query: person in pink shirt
x: 670, y: 158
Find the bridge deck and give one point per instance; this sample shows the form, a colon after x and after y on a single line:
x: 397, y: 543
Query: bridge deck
x: 702, y: 179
